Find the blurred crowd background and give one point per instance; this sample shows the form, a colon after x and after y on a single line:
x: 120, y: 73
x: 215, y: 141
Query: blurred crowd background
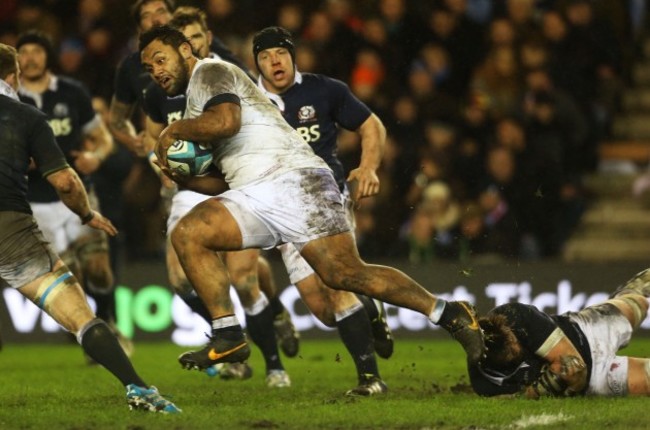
x: 494, y: 109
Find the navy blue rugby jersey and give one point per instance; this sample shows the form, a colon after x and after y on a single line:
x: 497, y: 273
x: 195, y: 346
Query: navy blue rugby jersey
x: 532, y: 328
x: 69, y: 110
x: 315, y: 107
x: 25, y: 134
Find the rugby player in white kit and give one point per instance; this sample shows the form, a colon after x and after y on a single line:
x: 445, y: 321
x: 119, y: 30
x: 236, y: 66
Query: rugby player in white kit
x: 280, y: 192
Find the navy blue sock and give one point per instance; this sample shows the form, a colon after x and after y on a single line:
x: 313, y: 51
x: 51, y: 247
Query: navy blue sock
x: 356, y: 334
x: 260, y: 329
x: 102, y: 346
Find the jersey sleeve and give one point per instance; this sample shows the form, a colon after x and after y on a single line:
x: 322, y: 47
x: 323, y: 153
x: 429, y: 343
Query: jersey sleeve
x: 347, y: 110
x: 43, y: 148
x: 123, y: 92
x: 151, y: 103
x: 85, y: 104
x: 214, y: 84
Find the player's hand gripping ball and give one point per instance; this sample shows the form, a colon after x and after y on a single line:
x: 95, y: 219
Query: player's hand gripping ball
x: 188, y: 158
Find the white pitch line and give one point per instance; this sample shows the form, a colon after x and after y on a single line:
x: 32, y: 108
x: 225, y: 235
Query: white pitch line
x: 540, y: 420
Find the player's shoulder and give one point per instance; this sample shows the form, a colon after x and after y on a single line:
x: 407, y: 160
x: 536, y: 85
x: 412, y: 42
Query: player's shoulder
x: 319, y: 79
x: 66, y: 83
x: 21, y: 111
x: 207, y: 65
x: 130, y: 60
x: 154, y: 92
x: 325, y: 85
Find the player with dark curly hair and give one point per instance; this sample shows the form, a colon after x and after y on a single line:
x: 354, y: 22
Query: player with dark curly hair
x: 533, y: 354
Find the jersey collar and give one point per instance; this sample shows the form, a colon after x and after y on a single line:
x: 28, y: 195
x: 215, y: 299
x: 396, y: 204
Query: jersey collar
x: 7, y: 90
x: 276, y: 98
x: 38, y: 97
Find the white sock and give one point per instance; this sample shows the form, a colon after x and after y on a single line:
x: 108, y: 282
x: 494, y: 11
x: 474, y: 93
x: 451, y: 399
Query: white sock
x: 258, y: 306
x: 223, y: 322
x: 338, y: 316
x: 437, y: 311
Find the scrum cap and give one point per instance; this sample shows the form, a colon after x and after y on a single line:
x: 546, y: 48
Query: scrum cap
x: 273, y: 37
x: 38, y: 38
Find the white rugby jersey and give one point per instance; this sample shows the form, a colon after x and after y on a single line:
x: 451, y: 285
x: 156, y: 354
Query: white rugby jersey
x: 266, y: 145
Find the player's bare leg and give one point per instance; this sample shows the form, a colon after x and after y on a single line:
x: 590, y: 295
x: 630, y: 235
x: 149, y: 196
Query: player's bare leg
x: 207, y: 227
x: 336, y: 260
x: 59, y: 294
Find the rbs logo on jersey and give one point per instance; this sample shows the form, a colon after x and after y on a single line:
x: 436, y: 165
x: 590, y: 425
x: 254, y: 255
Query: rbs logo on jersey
x: 60, y: 126
x: 309, y: 134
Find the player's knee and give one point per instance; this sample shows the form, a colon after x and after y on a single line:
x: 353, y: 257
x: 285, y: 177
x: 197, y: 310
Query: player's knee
x: 636, y: 306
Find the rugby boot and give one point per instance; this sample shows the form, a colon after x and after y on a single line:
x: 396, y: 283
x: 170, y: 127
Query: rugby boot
x: 277, y: 378
x: 229, y: 371
x: 368, y: 386
x: 638, y: 284
x: 463, y: 326
x: 149, y: 399
x: 218, y: 350
x: 381, y: 332
x: 286, y: 334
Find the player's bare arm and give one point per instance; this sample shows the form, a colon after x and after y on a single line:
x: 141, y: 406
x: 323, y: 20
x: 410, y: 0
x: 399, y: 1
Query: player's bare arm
x: 566, y: 372
x: 216, y: 122
x: 99, y: 146
x: 122, y: 128
x: 72, y: 193
x: 373, y: 140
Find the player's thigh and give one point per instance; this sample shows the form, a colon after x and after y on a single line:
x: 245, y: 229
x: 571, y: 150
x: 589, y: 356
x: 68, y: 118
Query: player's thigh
x: 59, y: 294
x: 334, y: 258
x: 209, y: 224
x: 638, y: 376
x: 25, y: 254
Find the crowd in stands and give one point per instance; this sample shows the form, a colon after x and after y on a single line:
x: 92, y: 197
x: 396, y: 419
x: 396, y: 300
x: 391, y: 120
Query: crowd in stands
x: 494, y: 109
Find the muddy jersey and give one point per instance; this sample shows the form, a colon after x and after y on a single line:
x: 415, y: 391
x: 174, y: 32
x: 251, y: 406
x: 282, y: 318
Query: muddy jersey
x: 25, y: 134
x: 164, y: 109
x: 532, y: 328
x: 266, y: 146
x: 70, y: 114
x: 316, y: 105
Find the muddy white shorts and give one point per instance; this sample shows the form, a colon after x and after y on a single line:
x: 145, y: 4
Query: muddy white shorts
x: 297, y: 267
x: 62, y: 227
x: 607, y: 331
x: 182, y: 202
x: 295, y: 207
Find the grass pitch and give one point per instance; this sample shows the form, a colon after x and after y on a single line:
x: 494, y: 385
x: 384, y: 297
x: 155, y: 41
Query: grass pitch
x: 51, y: 387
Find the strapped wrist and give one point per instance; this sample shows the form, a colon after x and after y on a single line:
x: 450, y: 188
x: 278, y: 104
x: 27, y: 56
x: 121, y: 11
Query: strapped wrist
x: 88, y: 217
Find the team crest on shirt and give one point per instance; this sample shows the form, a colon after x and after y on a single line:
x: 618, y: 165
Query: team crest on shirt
x: 306, y: 113
x: 61, y: 110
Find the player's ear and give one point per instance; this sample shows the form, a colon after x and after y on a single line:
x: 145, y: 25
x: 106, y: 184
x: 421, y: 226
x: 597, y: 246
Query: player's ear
x: 209, y: 34
x: 186, y: 50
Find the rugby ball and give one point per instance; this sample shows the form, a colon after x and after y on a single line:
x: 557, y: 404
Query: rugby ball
x: 189, y: 158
